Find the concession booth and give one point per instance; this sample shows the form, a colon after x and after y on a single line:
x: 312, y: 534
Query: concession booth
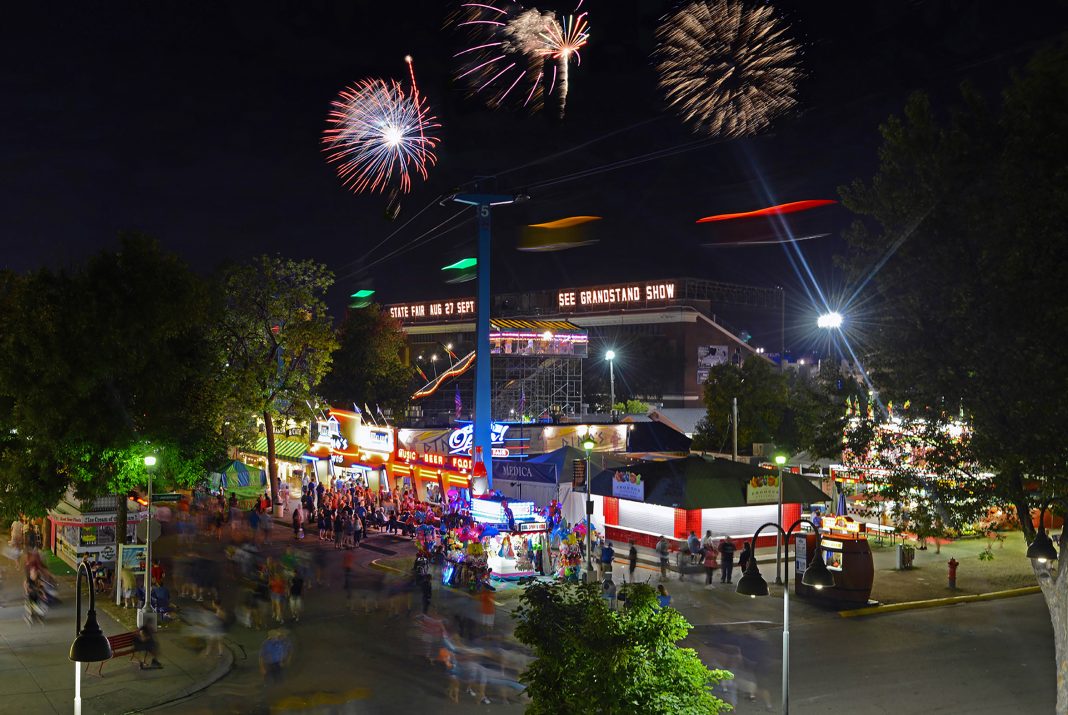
x: 673, y: 497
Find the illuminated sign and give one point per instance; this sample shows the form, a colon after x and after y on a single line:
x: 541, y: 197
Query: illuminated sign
x: 437, y: 309
x: 460, y: 440
x: 374, y: 439
x: 628, y: 485
x: 763, y: 489
x: 625, y: 294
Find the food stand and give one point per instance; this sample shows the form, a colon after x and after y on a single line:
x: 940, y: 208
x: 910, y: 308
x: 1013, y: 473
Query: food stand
x: 509, y: 528
x: 848, y: 557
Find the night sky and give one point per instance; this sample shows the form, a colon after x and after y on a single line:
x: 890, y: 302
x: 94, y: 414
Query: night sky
x: 200, y: 123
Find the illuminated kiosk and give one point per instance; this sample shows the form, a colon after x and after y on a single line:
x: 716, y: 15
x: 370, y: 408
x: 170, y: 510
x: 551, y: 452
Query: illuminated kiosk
x: 505, y: 554
x: 848, y: 558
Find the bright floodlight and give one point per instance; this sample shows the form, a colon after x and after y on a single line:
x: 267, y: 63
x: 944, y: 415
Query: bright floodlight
x: 780, y: 459
x: 150, y: 461
x: 610, y: 355
x: 830, y: 321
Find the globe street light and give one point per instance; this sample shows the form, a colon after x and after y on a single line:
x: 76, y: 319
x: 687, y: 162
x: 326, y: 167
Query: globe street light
x: 829, y: 321
x: 752, y: 584
x: 610, y: 356
x: 780, y: 459
x: 146, y: 616
x: 90, y: 644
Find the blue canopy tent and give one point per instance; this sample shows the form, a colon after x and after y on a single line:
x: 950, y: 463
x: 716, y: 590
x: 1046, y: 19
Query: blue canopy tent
x: 237, y: 474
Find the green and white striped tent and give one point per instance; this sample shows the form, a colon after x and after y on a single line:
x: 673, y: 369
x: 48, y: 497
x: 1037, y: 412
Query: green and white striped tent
x: 237, y: 474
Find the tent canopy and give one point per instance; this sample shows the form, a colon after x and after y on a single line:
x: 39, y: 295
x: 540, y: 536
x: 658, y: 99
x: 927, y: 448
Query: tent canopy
x: 698, y: 483
x: 563, y: 458
x: 237, y: 474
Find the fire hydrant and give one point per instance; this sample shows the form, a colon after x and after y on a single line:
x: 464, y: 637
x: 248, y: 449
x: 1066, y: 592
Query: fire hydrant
x: 953, y: 573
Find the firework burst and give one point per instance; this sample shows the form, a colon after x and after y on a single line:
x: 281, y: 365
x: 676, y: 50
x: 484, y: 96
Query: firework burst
x: 379, y: 134
x: 514, y: 52
x: 728, y: 69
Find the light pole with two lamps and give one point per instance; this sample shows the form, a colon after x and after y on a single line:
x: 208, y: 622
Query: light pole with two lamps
x: 90, y: 644
x: 752, y: 584
x: 780, y: 459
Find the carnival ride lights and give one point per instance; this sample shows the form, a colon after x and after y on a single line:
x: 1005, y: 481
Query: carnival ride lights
x: 777, y: 210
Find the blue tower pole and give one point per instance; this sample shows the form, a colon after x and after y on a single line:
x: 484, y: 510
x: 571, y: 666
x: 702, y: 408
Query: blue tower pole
x: 483, y: 204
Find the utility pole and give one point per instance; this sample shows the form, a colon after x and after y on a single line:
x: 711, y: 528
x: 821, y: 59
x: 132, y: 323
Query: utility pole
x: 734, y: 426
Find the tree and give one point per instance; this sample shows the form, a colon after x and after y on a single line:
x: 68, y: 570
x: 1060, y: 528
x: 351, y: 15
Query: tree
x: 966, y: 218
x: 762, y: 393
x: 278, y: 338
x: 99, y: 366
x: 631, y: 407
x: 592, y: 659
x: 368, y: 367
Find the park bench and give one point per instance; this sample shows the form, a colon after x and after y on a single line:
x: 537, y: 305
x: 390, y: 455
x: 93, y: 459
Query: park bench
x: 122, y: 644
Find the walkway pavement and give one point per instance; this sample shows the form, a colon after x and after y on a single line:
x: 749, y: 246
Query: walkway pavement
x: 37, y: 677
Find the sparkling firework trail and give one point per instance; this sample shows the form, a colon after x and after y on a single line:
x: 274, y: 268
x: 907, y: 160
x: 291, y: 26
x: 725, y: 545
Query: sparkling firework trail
x: 378, y: 134
x: 512, y: 46
x: 728, y: 69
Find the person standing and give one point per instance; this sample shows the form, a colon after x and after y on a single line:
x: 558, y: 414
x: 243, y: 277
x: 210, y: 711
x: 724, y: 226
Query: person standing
x: 298, y: 522
x: 296, y: 595
x: 743, y: 558
x: 608, y: 555
x: 694, y: 545
x: 662, y: 552
x: 274, y: 655
x: 726, y: 553
x: 632, y: 560
x: 710, y: 566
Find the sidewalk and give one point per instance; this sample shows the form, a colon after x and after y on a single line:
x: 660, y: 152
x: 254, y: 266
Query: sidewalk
x: 37, y: 677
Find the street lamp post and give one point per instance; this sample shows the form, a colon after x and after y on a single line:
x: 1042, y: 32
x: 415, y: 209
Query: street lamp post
x: 90, y: 644
x: 1042, y: 549
x: 752, y: 584
x: 483, y: 416
x: 587, y: 444
x: 610, y: 356
x: 146, y: 616
x: 780, y: 460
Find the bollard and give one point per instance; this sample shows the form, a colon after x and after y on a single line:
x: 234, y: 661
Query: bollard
x: 953, y: 573
x: 900, y: 557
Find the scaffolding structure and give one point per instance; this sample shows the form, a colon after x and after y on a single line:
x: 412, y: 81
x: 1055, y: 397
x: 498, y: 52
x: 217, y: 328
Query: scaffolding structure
x: 536, y: 386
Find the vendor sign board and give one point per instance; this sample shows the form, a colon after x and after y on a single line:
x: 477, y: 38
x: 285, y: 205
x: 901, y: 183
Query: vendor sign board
x: 763, y: 489
x: 628, y: 485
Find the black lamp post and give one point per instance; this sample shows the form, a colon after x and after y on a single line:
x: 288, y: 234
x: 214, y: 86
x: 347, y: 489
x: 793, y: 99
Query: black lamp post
x: 90, y: 644
x: 753, y: 584
x: 1042, y: 549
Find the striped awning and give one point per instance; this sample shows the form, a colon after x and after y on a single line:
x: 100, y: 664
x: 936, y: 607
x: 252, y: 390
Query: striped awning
x: 555, y: 326
x: 284, y: 447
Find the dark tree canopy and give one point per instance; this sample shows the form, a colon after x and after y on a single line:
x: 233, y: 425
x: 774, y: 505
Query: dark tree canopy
x: 793, y: 411
x: 99, y: 365
x: 960, y: 249
x: 278, y: 338
x: 368, y: 367
x: 592, y: 659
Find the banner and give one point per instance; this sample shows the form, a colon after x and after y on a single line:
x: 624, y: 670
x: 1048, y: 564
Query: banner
x: 628, y: 485
x: 763, y: 489
x: 524, y: 472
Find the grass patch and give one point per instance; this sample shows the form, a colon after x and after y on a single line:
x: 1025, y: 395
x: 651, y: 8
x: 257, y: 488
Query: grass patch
x: 55, y: 564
